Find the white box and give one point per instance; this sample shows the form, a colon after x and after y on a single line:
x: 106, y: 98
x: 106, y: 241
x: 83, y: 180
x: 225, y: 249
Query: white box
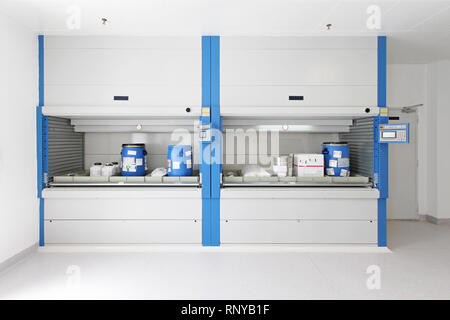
x: 280, y: 165
x: 308, y: 165
x: 280, y: 171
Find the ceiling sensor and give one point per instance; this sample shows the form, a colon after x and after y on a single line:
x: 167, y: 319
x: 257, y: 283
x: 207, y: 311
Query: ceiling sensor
x: 104, y: 21
x: 329, y: 26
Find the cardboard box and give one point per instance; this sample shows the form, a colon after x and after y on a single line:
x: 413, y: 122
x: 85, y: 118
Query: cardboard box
x: 308, y: 165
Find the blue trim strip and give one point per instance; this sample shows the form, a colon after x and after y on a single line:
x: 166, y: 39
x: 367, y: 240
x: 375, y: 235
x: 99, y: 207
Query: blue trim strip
x: 216, y: 147
x: 42, y: 149
x: 39, y: 150
x: 382, y: 223
x: 381, y: 154
x: 41, y: 141
x: 205, y: 165
x: 41, y: 69
x: 41, y: 222
x: 211, y: 166
x: 215, y: 222
x: 383, y: 164
x: 381, y: 159
x: 382, y: 62
x: 39, y: 117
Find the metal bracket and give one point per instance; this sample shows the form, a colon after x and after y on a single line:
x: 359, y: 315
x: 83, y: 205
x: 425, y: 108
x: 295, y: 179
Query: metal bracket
x: 411, y: 109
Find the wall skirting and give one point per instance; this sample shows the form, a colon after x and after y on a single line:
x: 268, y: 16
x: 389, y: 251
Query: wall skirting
x: 435, y: 220
x: 19, y: 256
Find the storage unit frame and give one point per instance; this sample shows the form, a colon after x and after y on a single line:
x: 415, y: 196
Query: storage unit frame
x: 211, y: 180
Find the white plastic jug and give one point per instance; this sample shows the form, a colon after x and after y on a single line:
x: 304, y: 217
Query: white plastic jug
x: 116, y: 169
x: 96, y: 170
x: 107, y: 170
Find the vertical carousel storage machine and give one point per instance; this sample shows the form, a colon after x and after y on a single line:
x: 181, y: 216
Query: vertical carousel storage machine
x: 239, y: 82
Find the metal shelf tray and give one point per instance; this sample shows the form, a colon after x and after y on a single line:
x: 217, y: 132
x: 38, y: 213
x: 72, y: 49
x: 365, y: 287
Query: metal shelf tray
x: 123, y: 184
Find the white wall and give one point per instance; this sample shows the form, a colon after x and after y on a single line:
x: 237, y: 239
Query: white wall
x: 18, y: 97
x: 406, y: 86
x: 429, y: 84
x: 438, y: 153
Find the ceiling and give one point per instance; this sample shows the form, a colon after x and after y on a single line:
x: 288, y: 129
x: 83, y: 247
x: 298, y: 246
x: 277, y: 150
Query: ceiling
x: 418, y: 30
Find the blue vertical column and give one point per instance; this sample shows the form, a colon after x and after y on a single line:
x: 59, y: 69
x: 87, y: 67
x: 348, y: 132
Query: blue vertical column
x: 216, y: 146
x: 205, y: 157
x: 210, y: 166
x: 41, y: 141
x: 381, y: 154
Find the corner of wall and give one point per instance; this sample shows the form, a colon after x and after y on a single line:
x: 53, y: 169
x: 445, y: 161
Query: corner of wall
x: 19, y: 212
x: 438, y: 113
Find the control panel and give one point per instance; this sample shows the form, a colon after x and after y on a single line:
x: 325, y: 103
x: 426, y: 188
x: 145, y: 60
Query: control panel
x: 394, y: 133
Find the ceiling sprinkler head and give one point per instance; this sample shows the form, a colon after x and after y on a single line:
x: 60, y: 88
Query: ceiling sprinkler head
x: 104, y: 21
x: 329, y: 26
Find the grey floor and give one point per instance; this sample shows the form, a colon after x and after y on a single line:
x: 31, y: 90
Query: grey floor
x: 418, y: 268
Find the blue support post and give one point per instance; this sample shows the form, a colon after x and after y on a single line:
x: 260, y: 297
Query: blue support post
x: 210, y: 166
x: 39, y: 151
x: 381, y: 151
x: 41, y: 69
x: 216, y: 147
x: 205, y: 164
x: 41, y: 141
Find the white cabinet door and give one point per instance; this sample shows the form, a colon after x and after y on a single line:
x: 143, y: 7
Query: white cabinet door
x: 293, y: 231
x: 266, y: 71
x: 123, y: 232
x: 124, y: 209
x: 310, y: 209
x: 151, y: 71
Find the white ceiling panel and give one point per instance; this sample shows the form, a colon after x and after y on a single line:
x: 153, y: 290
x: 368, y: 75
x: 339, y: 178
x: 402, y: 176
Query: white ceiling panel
x: 351, y: 16
x: 437, y: 23
x: 405, y: 15
x: 418, y: 29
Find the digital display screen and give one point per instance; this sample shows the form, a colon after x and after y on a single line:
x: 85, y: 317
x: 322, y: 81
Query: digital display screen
x: 389, y: 134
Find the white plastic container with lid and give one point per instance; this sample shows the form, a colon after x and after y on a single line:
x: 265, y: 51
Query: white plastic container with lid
x: 96, y: 170
x: 116, y: 168
x: 107, y: 170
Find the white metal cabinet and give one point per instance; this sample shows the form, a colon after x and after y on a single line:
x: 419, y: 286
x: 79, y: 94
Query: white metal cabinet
x: 265, y: 71
x: 123, y: 215
x: 309, y: 209
x: 299, y: 215
x: 298, y: 232
x: 94, y: 209
x: 123, y: 232
x: 90, y: 71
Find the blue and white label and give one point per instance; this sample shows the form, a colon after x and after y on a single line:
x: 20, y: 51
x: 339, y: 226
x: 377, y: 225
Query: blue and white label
x: 337, y: 154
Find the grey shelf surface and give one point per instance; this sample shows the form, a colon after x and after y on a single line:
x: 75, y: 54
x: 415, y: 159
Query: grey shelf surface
x: 123, y: 184
x: 295, y: 184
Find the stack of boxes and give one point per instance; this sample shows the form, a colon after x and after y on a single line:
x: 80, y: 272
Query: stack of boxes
x: 300, y: 165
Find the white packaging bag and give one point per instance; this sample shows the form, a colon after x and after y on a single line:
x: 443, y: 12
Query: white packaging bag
x: 253, y: 170
x: 159, y: 172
